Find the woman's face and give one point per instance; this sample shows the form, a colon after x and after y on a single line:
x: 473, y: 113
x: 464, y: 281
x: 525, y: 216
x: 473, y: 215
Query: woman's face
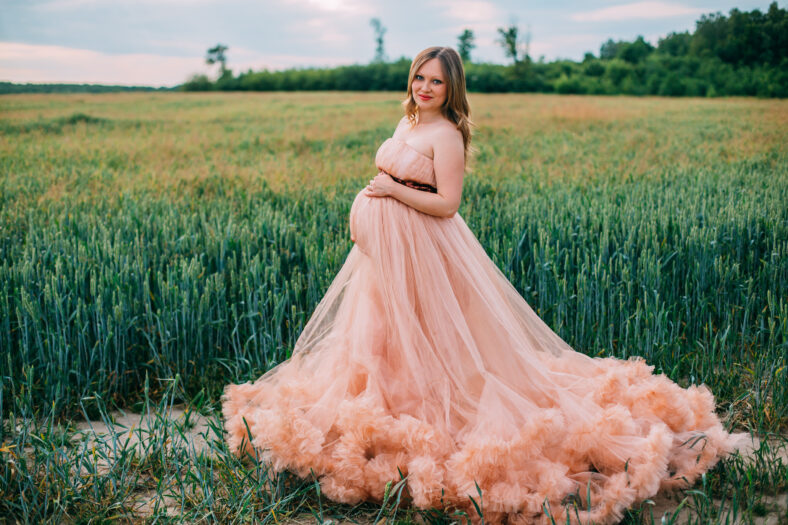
x: 429, y: 85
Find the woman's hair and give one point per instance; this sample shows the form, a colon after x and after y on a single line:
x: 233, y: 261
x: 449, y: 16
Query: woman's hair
x: 456, y: 107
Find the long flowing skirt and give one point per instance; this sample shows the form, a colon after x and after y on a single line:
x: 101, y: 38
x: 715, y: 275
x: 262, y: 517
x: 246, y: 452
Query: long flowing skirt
x: 423, y: 359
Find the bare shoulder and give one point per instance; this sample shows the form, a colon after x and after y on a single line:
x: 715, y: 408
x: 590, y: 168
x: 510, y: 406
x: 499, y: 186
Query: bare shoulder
x: 447, y: 137
x: 401, y: 125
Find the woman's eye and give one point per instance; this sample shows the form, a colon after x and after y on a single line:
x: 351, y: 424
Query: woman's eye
x: 437, y: 81
x: 418, y: 77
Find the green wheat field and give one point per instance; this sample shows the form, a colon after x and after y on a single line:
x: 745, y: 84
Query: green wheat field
x: 157, y: 246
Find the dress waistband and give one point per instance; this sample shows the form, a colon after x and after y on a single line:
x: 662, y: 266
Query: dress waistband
x: 422, y: 186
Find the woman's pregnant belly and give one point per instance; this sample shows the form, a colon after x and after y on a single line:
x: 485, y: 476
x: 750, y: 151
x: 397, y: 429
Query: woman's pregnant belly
x: 372, y: 218
x: 362, y: 217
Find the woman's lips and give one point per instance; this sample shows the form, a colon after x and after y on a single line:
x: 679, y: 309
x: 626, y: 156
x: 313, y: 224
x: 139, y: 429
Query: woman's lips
x: 422, y: 97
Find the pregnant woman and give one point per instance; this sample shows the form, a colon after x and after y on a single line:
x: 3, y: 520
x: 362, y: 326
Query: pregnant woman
x: 422, y: 358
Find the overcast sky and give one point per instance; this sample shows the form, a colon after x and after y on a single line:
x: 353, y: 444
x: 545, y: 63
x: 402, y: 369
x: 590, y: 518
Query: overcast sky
x: 163, y: 42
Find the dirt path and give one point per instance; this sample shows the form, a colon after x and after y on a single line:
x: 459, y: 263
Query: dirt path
x: 127, y: 428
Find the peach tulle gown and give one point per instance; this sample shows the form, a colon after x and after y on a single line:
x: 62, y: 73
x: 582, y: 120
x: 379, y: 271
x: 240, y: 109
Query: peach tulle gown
x: 423, y: 357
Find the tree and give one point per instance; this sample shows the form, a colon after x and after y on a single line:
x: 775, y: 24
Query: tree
x: 609, y: 49
x: 633, y: 52
x: 743, y: 37
x: 508, y: 42
x: 675, y: 44
x: 198, y: 82
x: 380, y: 55
x: 465, y: 44
x: 216, y: 54
x: 511, y: 47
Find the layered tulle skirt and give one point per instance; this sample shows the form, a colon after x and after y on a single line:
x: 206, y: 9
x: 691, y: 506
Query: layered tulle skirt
x: 422, y: 359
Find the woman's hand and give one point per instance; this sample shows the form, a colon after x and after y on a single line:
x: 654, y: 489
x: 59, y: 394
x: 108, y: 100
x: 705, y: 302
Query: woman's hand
x: 381, y: 186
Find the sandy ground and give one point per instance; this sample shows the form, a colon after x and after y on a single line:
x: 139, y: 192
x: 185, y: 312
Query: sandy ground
x: 131, y: 430
x: 127, y: 426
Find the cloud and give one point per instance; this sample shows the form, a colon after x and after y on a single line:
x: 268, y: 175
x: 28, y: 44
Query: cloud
x: 322, y: 31
x: 180, y: 47
x: 339, y: 6
x: 635, y: 10
x: 328, y: 33
x: 43, y: 63
x: 67, y: 5
x: 564, y: 45
x: 241, y: 59
x: 482, y: 17
x: 331, y: 24
x: 469, y: 11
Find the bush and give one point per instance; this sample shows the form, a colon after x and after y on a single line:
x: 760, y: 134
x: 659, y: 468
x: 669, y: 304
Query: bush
x: 198, y: 82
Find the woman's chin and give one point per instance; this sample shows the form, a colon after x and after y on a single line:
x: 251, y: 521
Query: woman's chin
x: 427, y: 105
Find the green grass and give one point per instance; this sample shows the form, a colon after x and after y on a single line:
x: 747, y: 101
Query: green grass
x: 149, y: 237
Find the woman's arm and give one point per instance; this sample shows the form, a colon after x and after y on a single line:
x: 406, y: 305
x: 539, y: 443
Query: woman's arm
x: 424, y: 201
x: 449, y: 165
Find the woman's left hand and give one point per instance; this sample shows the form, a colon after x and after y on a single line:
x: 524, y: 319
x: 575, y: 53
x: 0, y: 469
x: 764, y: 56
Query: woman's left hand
x: 381, y: 186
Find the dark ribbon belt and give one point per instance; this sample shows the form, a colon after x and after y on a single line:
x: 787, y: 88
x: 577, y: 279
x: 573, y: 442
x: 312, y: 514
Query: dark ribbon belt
x: 422, y: 186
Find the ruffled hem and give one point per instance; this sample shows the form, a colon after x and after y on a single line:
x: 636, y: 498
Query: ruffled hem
x: 650, y: 434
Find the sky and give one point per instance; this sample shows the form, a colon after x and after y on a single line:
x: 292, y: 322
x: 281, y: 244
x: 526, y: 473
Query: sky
x: 164, y: 42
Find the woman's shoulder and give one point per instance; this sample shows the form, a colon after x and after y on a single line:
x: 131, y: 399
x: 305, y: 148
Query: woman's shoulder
x: 403, y: 123
x: 449, y: 130
x: 447, y: 133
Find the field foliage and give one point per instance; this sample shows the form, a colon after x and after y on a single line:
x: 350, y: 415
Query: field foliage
x: 156, y: 246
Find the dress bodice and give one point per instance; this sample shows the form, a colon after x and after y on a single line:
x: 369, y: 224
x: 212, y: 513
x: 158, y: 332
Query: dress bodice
x: 400, y: 159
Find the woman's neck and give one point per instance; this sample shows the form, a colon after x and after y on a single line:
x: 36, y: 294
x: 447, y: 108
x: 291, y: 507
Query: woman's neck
x: 428, y: 117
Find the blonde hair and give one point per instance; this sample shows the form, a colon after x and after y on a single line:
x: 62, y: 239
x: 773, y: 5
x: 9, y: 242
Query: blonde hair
x: 456, y: 108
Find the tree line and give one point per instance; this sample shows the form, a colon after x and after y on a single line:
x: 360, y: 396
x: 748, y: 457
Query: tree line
x: 9, y: 88
x: 743, y: 53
